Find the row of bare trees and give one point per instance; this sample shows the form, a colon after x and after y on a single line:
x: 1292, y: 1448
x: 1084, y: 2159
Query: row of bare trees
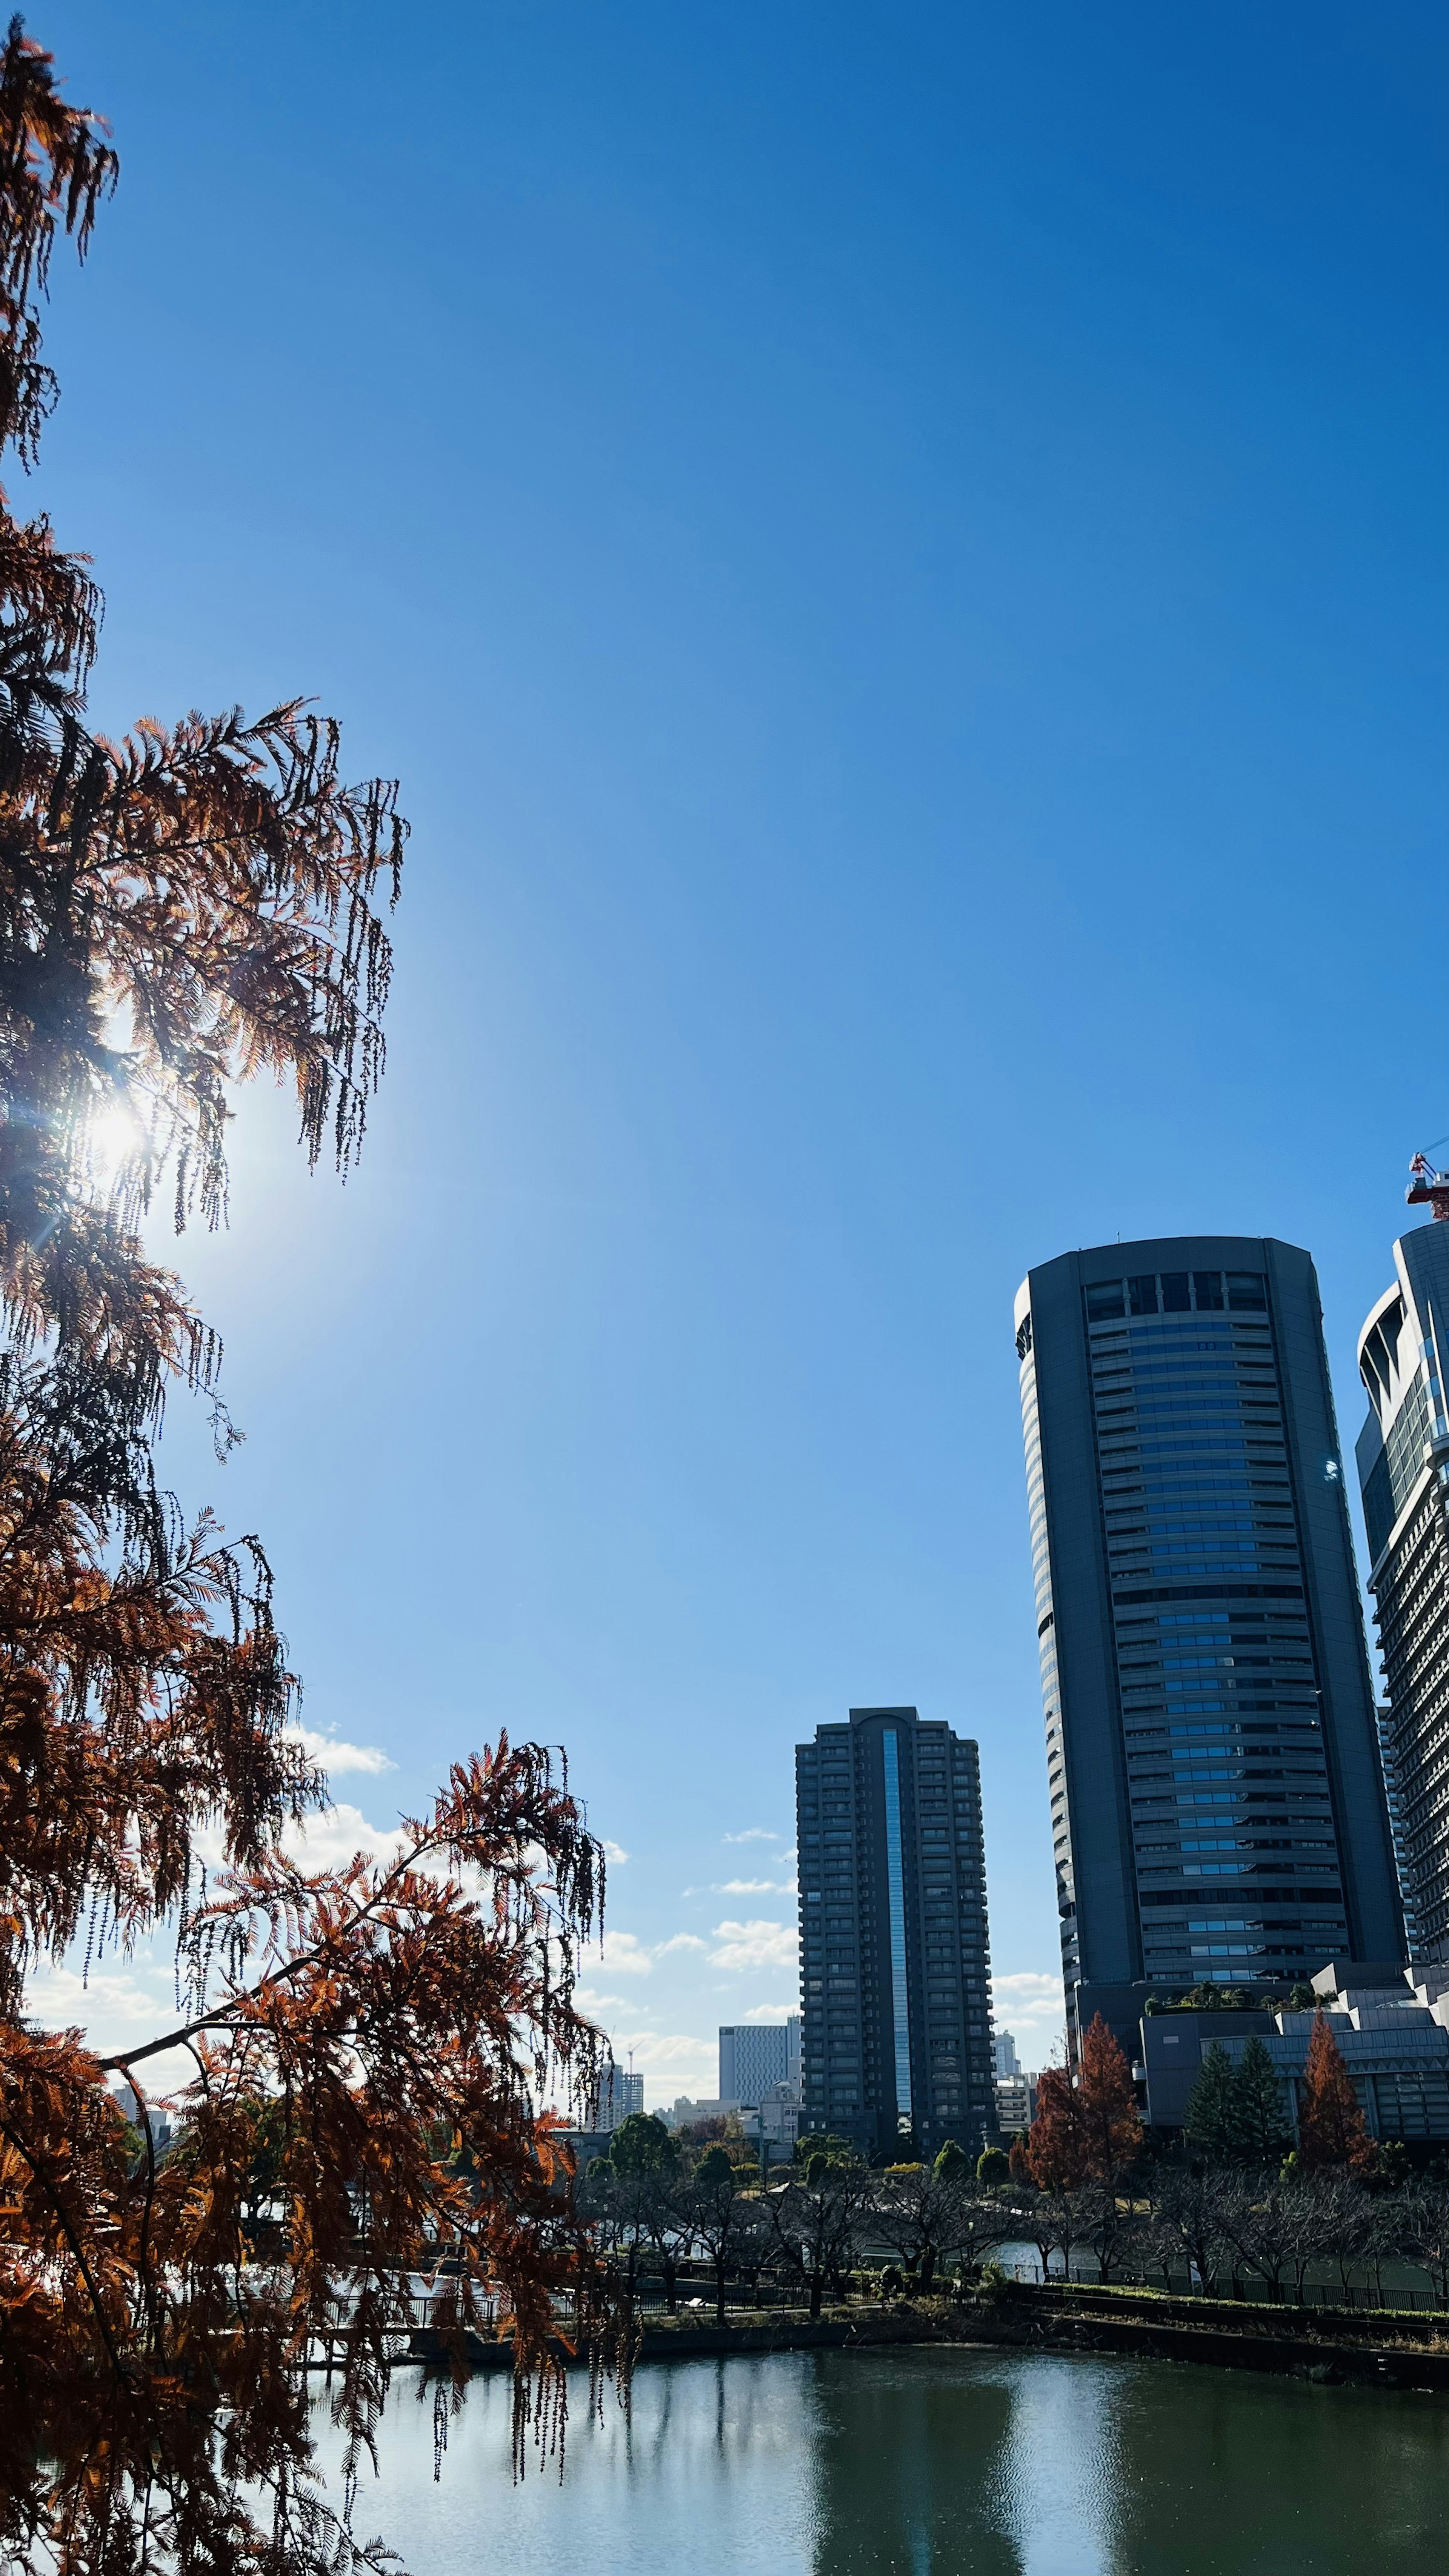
x: 1219, y: 2231
x: 1200, y: 2228
x: 802, y: 2235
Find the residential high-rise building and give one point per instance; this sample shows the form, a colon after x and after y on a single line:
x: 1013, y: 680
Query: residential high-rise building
x: 616, y: 2097
x: 895, y: 1960
x: 1217, y: 1803
x: 754, y: 2056
x: 1403, y: 1465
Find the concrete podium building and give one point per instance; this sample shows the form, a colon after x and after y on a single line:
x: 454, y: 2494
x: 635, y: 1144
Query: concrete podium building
x: 1217, y: 1802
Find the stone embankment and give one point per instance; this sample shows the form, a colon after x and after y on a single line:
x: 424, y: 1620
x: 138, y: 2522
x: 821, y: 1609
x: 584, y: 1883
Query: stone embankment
x: 1377, y: 2348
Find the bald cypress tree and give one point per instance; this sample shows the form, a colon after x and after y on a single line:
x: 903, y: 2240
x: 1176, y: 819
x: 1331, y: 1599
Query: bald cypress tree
x: 371, y: 2043
x: 1332, y: 2131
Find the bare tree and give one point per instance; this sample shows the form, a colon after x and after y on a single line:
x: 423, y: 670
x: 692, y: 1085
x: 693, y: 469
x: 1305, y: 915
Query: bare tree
x: 1189, y: 2223
x: 717, y: 2214
x: 1106, y: 2220
x: 818, y: 2225
x: 1424, y: 2233
x: 923, y: 2216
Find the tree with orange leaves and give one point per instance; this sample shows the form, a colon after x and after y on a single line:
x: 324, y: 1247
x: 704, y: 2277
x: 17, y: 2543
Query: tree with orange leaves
x: 1055, y: 2151
x: 1332, y: 2130
x: 371, y: 2044
x: 1107, y: 2115
x: 1086, y: 2126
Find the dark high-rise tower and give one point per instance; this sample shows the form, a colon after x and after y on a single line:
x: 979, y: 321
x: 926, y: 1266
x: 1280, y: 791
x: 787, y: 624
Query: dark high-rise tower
x: 894, y: 1957
x: 1217, y: 1804
x: 1403, y: 1465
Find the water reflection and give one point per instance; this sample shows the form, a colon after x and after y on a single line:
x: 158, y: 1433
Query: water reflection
x: 933, y: 2464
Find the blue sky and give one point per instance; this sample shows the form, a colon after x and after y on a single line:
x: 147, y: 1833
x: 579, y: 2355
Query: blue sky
x: 899, y: 556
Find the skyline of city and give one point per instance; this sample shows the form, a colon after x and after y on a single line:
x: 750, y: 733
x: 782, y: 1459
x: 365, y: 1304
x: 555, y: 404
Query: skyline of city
x: 987, y: 578
x: 1236, y: 1407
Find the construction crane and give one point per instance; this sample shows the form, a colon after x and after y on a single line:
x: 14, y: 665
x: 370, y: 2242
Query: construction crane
x: 1428, y: 1188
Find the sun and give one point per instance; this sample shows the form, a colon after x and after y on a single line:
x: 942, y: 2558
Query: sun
x: 114, y: 1138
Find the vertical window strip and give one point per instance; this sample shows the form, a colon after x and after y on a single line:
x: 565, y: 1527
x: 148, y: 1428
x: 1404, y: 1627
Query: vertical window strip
x: 896, y: 1884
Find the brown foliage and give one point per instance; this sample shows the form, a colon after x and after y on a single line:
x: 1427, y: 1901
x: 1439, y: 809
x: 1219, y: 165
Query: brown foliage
x: 1331, y: 2127
x: 1111, y: 2130
x: 1055, y: 2153
x: 1088, y: 2129
x: 371, y: 2044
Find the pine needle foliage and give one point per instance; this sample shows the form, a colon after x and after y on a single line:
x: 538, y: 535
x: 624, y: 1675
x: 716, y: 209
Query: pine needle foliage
x: 180, y: 911
x: 1209, y: 2121
x: 1258, y: 2128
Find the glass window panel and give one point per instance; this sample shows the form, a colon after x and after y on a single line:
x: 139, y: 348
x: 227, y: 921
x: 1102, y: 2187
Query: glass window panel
x: 1247, y: 1292
x: 1104, y: 1297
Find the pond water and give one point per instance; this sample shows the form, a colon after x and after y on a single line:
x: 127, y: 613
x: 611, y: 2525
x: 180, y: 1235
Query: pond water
x: 919, y: 2463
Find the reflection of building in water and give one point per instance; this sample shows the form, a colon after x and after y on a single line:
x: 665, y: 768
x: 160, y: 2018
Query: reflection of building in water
x: 895, y: 1959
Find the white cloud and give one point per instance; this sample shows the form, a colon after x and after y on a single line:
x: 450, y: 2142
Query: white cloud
x: 1028, y: 1988
x: 681, y: 1941
x: 615, y: 1852
x: 116, y: 2005
x: 328, y: 1840
x: 747, y: 1887
x: 769, y: 2012
x: 622, y: 1954
x: 755, y: 1944
x: 336, y: 1755
x: 590, y: 2002
x: 1028, y: 2003
x: 753, y: 1834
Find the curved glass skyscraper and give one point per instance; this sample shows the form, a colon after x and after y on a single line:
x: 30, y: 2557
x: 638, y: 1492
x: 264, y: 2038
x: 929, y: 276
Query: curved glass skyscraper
x: 1217, y: 1803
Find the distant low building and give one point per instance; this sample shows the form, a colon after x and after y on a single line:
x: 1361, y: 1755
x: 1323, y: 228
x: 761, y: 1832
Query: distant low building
x: 685, y: 2113
x: 773, y: 2124
x: 1015, y: 2101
